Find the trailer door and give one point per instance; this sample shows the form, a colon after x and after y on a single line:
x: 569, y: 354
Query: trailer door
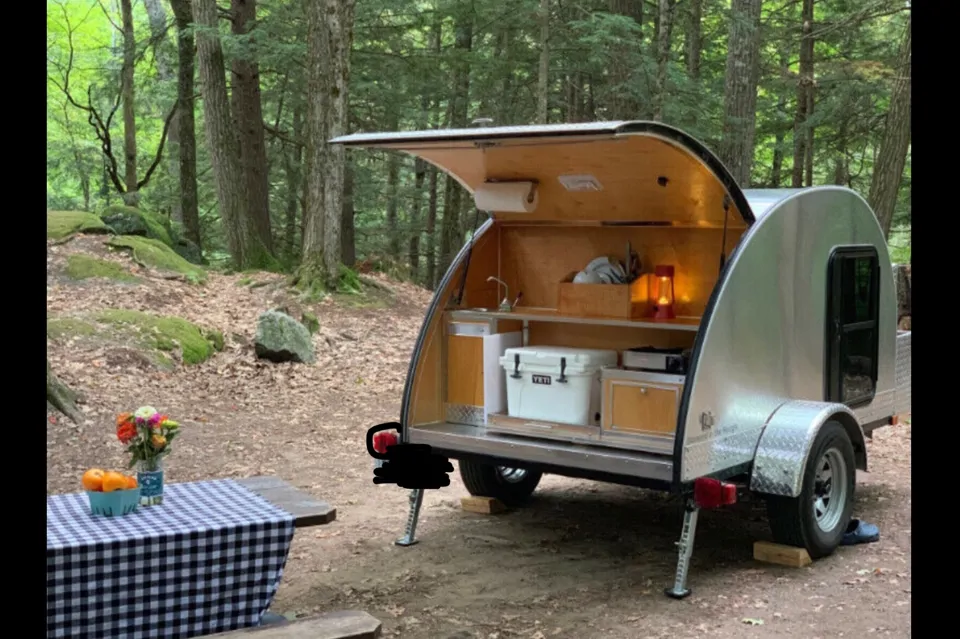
x: 853, y: 335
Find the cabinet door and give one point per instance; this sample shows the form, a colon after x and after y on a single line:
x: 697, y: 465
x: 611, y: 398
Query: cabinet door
x: 642, y: 408
x: 465, y: 370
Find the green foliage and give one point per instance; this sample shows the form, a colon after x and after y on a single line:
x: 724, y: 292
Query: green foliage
x: 400, y: 80
x: 60, y: 224
x: 310, y: 320
x: 349, y: 282
x: 65, y: 327
x: 215, y: 338
x: 163, y: 333
x: 155, y: 254
x: 81, y: 267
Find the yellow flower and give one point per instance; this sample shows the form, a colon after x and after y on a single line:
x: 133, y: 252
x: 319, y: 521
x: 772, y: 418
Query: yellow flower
x: 158, y: 441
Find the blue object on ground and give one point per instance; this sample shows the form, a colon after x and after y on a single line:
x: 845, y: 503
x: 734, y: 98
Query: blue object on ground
x: 271, y: 618
x: 860, y: 532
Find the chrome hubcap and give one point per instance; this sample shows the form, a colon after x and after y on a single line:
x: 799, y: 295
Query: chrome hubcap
x: 830, y: 490
x: 512, y: 475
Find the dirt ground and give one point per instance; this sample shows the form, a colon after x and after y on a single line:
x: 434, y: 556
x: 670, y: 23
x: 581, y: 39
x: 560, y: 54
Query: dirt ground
x: 583, y: 560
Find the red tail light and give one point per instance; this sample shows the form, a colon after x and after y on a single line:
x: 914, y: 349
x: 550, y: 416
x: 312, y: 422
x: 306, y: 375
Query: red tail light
x: 712, y: 493
x: 383, y: 439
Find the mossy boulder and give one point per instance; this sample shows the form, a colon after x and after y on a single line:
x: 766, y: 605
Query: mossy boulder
x: 155, y: 254
x: 280, y: 338
x: 127, y: 220
x: 187, y: 249
x: 162, y: 333
x: 82, y: 267
x: 60, y: 224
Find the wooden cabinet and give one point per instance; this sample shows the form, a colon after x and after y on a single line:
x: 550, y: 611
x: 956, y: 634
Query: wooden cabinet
x: 465, y: 370
x: 473, y: 380
x: 640, y: 406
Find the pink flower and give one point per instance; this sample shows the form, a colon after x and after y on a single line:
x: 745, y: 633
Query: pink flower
x: 155, y: 419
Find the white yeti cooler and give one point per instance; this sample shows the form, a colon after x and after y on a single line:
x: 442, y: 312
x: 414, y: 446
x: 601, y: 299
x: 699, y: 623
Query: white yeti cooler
x: 555, y: 384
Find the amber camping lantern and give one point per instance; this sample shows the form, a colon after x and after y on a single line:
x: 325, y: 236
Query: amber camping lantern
x: 661, y: 292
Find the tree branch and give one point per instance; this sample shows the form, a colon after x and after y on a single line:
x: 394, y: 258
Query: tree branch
x: 275, y: 132
x: 109, y: 19
x: 163, y: 139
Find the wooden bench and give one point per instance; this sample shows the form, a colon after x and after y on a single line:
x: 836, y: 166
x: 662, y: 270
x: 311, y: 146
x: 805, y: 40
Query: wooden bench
x: 345, y: 624
x: 307, y: 510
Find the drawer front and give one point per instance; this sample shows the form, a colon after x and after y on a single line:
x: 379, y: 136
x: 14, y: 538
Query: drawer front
x: 465, y: 370
x: 642, y: 408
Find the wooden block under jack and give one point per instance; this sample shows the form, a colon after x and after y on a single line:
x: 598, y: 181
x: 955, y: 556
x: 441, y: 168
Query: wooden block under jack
x: 483, y: 505
x: 779, y: 554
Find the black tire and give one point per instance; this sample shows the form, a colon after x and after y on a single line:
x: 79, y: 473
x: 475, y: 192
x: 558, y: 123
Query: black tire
x: 793, y: 521
x: 487, y: 480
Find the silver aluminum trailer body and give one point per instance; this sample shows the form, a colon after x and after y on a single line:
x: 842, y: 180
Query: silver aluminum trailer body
x: 770, y: 374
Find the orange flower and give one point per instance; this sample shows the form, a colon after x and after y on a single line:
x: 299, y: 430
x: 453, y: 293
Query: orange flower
x: 123, y: 418
x: 126, y: 432
x: 159, y: 441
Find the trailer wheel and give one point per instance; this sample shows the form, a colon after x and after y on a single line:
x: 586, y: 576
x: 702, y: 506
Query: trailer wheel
x: 817, y: 519
x: 512, y: 486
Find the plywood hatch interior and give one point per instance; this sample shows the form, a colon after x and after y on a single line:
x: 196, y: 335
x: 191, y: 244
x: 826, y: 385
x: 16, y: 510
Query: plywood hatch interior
x: 653, y: 190
x: 643, y: 177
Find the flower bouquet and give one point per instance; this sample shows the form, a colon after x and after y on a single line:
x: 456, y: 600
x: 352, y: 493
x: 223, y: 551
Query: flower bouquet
x: 147, y: 435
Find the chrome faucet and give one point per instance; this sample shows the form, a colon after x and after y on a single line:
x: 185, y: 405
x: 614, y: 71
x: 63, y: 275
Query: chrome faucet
x: 505, y: 304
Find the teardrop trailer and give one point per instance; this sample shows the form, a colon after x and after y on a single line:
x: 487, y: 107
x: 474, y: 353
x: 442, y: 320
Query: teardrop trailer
x: 755, y: 347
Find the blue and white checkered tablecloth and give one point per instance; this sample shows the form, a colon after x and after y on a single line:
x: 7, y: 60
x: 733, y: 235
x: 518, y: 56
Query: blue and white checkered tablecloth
x: 209, y: 559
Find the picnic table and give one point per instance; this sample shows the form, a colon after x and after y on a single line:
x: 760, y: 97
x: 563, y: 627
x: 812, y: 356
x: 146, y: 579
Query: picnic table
x: 207, y: 560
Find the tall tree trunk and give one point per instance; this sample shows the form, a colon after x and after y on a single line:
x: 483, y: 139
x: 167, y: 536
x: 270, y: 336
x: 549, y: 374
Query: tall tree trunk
x: 776, y: 171
x: 809, y: 135
x: 804, y: 92
x: 348, y: 232
x: 693, y: 46
x: 186, y: 126
x: 248, y: 118
x: 420, y: 173
x: 224, y: 148
x: 543, y: 79
x: 329, y: 37
x: 664, y: 34
x: 624, y: 105
x: 157, y: 16
x: 430, y: 277
x: 430, y: 268
x: 888, y: 169
x: 841, y: 169
x: 292, y: 166
x: 506, y: 88
x: 740, y: 89
x: 393, y: 182
x: 450, y: 230
x: 131, y: 197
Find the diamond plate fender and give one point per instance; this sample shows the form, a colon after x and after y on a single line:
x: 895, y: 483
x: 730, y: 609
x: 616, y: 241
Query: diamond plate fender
x: 786, y: 441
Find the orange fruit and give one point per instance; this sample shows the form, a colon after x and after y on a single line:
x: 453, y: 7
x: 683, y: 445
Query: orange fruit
x: 131, y: 482
x: 114, y: 481
x: 93, y: 480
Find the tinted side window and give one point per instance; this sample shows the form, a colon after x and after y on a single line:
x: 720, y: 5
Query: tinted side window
x: 852, y: 325
x: 856, y: 297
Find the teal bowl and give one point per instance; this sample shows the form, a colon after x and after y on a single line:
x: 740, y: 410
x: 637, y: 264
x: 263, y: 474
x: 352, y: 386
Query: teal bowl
x: 115, y: 503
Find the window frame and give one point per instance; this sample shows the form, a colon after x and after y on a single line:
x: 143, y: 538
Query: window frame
x: 836, y: 329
